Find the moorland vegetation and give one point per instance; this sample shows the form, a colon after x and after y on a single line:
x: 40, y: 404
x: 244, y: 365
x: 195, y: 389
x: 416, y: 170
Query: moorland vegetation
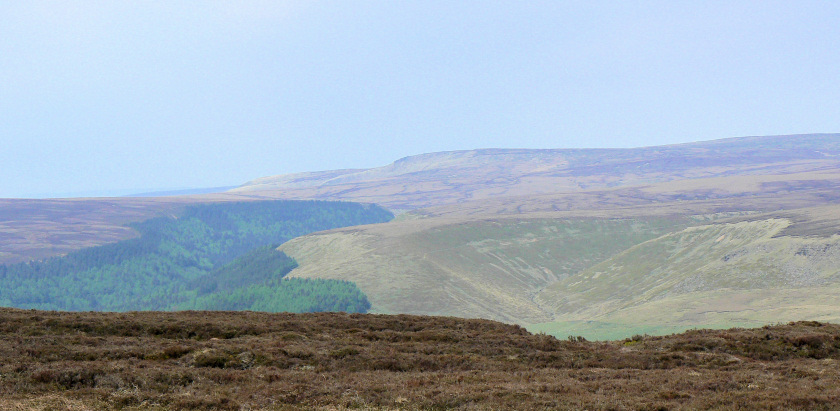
x: 247, y: 360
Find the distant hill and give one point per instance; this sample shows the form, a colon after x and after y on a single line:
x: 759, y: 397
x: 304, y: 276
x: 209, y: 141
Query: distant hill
x: 436, y: 179
x: 181, y: 192
x: 504, y: 180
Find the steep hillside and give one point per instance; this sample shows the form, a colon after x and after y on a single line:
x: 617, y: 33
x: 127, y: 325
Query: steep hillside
x: 484, y: 268
x: 713, y: 275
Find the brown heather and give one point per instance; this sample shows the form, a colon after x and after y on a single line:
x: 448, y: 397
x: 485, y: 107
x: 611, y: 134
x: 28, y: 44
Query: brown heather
x: 246, y: 360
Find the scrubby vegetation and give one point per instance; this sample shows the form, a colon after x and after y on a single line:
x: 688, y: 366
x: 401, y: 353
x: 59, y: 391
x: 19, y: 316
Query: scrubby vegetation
x: 247, y: 360
x: 182, y: 262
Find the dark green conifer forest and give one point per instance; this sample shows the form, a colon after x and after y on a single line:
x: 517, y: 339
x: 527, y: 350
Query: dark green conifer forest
x: 212, y: 257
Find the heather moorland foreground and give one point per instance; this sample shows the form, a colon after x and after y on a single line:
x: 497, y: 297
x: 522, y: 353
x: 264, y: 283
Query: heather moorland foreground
x: 248, y: 360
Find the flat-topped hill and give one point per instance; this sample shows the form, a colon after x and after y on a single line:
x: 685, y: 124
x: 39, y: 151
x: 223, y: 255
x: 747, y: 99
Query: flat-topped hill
x: 453, y: 177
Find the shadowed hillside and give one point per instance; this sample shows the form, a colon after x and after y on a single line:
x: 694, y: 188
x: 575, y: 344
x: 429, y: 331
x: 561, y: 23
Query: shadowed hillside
x: 210, y: 256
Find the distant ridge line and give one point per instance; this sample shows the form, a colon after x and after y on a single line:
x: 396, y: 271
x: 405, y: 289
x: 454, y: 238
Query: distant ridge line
x: 188, y: 191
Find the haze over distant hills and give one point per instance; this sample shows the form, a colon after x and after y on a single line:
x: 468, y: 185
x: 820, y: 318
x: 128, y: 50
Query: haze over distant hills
x: 597, y: 242
x: 435, y: 179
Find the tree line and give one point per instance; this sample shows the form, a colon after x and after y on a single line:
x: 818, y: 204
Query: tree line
x: 213, y: 256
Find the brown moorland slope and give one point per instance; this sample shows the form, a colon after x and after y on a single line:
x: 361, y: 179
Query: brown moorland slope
x: 32, y: 229
x: 246, y: 360
x: 36, y: 229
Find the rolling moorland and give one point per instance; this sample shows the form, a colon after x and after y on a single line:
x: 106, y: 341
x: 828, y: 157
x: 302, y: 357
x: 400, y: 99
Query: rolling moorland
x: 565, y: 246
x: 732, y: 249
x: 513, y: 180
x: 723, y: 274
x: 599, y: 243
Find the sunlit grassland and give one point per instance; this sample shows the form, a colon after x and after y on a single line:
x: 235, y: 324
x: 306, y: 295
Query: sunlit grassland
x: 487, y: 268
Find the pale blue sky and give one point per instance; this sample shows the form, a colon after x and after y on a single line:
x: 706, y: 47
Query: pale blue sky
x: 102, y: 96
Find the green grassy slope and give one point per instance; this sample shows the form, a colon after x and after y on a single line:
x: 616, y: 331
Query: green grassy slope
x: 596, y: 277
x: 487, y: 268
x: 717, y: 275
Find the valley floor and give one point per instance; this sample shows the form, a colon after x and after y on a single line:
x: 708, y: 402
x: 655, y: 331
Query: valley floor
x: 247, y: 360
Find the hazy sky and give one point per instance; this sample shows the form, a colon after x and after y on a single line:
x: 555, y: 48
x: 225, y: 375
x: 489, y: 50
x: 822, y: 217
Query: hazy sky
x: 98, y: 96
